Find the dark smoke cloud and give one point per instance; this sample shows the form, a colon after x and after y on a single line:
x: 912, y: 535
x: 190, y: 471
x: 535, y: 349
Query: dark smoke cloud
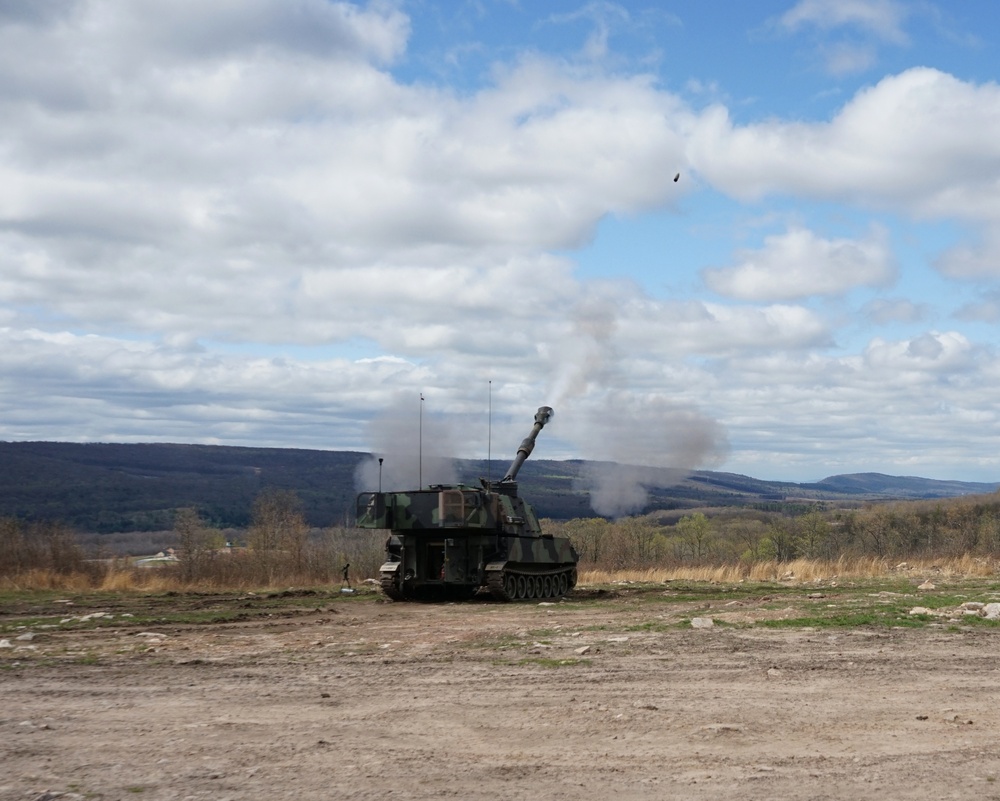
x: 395, y: 436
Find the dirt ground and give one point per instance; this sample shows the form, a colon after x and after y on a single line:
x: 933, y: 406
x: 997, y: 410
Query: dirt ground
x: 595, y: 697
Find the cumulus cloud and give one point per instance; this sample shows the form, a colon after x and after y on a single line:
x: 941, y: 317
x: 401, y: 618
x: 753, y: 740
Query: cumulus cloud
x: 672, y: 329
x: 100, y: 388
x: 234, y: 222
x: 926, y: 356
x: 887, y: 147
x: 925, y: 400
x: 287, y: 179
x: 799, y: 264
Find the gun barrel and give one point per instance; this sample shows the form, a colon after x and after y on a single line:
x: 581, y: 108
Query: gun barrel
x: 542, y: 416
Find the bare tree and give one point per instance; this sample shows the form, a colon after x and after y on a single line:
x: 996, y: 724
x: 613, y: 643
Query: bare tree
x: 814, y: 535
x: 15, y: 554
x: 878, y: 530
x: 194, y: 540
x: 278, y: 531
x: 783, y: 540
x: 588, y: 535
x: 749, y: 532
x: 695, y: 532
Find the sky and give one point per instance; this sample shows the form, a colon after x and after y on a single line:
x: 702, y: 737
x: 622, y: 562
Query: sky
x: 762, y: 238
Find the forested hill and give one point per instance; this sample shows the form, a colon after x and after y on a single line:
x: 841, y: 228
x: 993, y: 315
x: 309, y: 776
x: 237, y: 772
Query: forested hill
x: 113, y: 487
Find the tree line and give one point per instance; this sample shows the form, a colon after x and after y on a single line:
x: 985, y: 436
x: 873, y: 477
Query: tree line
x: 279, y: 547
x: 900, y: 530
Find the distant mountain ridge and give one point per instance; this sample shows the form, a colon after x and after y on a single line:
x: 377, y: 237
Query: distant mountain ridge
x: 107, y: 487
x: 902, y: 486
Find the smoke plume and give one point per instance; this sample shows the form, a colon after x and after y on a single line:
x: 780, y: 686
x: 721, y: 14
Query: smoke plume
x: 415, y: 447
x: 632, y: 441
x: 587, y: 358
x: 636, y: 442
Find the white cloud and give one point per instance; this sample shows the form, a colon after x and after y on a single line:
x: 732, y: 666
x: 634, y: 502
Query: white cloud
x: 240, y: 172
x: 918, y: 406
x: 922, y: 141
x: 987, y: 309
x: 883, y: 18
x: 973, y: 261
x: 799, y: 264
x: 106, y: 389
x: 205, y: 207
x: 921, y: 359
x: 846, y: 34
x: 187, y: 29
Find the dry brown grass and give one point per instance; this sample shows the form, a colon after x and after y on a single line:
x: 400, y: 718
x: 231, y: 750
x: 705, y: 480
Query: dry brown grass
x: 124, y: 579
x: 38, y: 579
x: 803, y: 571
x: 122, y: 576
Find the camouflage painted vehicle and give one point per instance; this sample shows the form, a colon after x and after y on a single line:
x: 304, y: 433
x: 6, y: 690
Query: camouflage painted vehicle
x: 446, y: 542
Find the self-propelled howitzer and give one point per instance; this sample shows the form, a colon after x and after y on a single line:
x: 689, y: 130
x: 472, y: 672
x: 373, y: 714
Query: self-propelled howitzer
x: 447, y: 541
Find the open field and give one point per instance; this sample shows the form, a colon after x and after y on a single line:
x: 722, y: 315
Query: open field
x: 797, y: 691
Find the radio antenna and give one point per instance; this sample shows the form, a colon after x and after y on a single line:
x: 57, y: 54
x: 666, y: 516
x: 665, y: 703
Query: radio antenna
x: 489, y: 439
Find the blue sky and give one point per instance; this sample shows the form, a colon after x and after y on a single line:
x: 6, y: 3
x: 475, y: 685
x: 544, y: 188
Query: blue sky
x: 281, y: 222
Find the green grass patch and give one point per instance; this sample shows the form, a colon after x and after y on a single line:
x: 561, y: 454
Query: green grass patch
x: 838, y: 620
x: 661, y: 625
x: 975, y: 620
x: 660, y: 606
x: 494, y: 642
x: 864, y: 602
x: 30, y: 610
x: 89, y: 658
x: 546, y: 662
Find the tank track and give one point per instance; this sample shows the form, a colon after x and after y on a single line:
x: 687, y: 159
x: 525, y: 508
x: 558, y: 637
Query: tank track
x: 390, y: 588
x: 512, y: 584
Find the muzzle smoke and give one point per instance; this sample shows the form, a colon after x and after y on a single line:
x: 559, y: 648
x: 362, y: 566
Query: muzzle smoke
x: 408, y: 457
x: 632, y: 441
